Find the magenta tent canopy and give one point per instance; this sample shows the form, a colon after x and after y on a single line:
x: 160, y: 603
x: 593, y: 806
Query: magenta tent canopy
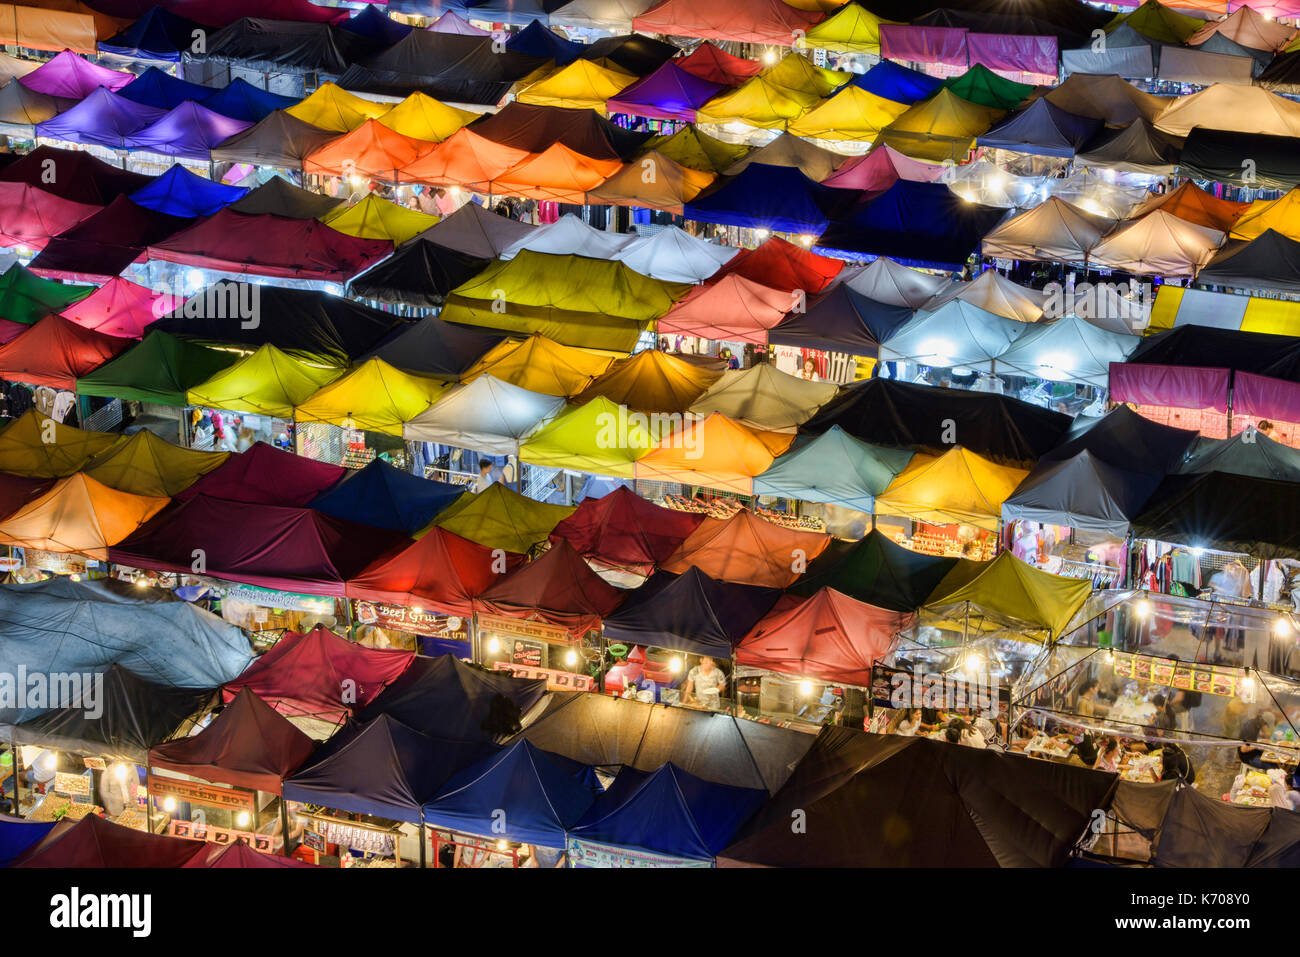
x: 73, y: 77
x: 102, y: 119
x: 294, y: 549
x: 188, y: 130
x: 266, y: 475
x: 269, y: 245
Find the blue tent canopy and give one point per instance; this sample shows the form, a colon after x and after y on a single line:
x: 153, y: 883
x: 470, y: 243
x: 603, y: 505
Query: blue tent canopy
x: 243, y: 101
x: 16, y: 835
x: 154, y: 87
x: 102, y: 119
x: 1043, y: 129
x: 898, y: 83
x: 373, y: 24
x: 182, y: 193
x: 512, y: 12
x: 158, y: 35
x: 386, y: 497
x: 670, y: 812
x: 840, y: 320
x: 779, y: 198
x: 916, y: 224
x: 540, y: 797
x: 381, y: 767
x: 536, y: 40
x: 835, y: 468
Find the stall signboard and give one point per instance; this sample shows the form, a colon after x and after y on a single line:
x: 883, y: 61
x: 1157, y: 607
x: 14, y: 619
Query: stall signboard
x: 411, y: 620
x: 283, y: 600
x: 519, y: 628
x: 897, y: 688
x: 235, y: 799
x: 314, y: 840
x: 95, y: 764
x: 72, y: 784
x: 194, y: 831
x: 1181, y: 675
x: 590, y: 854
x: 556, y: 680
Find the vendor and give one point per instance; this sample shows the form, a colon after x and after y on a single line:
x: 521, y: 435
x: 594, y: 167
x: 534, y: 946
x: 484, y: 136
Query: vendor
x: 705, y: 683
x: 1258, y: 728
x: 909, y: 722
x: 1086, y: 706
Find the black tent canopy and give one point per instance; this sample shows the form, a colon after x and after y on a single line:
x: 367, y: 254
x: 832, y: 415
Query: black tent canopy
x: 434, y: 348
x: 1081, y: 492
x: 535, y: 128
x: 447, y: 66
x: 278, y: 139
x: 875, y: 570
x: 1123, y: 439
x: 840, y: 320
x: 1136, y: 148
x: 421, y: 273
x: 105, y: 243
x: 1217, y: 155
x: 1269, y: 261
x: 285, y: 46
x: 1246, y: 453
x: 279, y: 197
x: 1231, y: 513
x: 1262, y: 353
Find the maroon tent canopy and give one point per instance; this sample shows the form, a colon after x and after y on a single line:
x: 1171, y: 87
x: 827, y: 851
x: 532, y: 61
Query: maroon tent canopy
x: 30, y: 216
x: 270, y: 245
x: 105, y: 243
x: 239, y: 854
x: 535, y: 128
x: 296, y: 549
x: 440, y: 571
x: 94, y: 842
x: 624, y: 530
x: 248, y: 745
x: 266, y: 475
x: 303, y: 675
x: 77, y: 175
x: 559, y: 588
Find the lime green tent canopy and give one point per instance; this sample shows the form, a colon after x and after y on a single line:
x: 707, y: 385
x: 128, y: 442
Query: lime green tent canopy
x: 1157, y: 22
x: 1014, y: 590
x: 26, y: 297
x: 375, y: 396
x: 268, y: 382
x: 499, y: 517
x: 160, y: 369
x: 850, y: 29
x: 598, y: 437
x: 698, y: 151
x: 146, y: 465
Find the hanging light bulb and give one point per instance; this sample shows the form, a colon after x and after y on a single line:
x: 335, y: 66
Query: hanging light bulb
x: 571, y: 658
x: 119, y: 771
x: 675, y: 665
x: 805, y: 687
x: 493, y: 646
x: 1282, y: 627
x: 169, y: 804
x: 502, y: 844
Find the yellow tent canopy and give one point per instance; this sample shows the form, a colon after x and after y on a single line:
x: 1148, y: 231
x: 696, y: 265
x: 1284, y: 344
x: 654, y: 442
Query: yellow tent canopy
x: 499, y: 517
x: 375, y: 218
x: 1011, y: 589
x: 942, y: 127
x: 375, y: 397
x: 696, y: 150
x: 146, y: 465
x: 851, y: 29
x: 597, y: 436
x: 582, y: 85
x: 36, y: 446
x: 333, y: 108
x: 776, y: 97
x: 268, y: 382
x: 956, y: 487
x: 1281, y: 215
x: 79, y: 515
x: 851, y: 114
x: 714, y: 452
x: 421, y: 117
x: 575, y: 300
x: 652, y: 381
x: 652, y: 181
x: 539, y: 364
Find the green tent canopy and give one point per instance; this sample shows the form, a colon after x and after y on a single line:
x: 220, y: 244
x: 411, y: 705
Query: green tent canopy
x: 499, y: 517
x: 26, y: 297
x: 161, y: 369
x: 876, y: 570
x: 981, y: 85
x: 599, y: 437
x: 1013, y: 590
x: 834, y: 468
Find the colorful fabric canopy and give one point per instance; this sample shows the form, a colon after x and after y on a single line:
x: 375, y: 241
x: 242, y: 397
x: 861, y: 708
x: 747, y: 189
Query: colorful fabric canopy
x: 383, y: 496
x: 669, y: 93
x: 278, y: 139
x: 95, y: 842
x: 56, y: 352
x: 1053, y: 230
x: 376, y: 218
x: 178, y: 192
x: 747, y: 549
x: 850, y: 29
x: 885, y: 281
x: 155, y: 87
x: 582, y: 84
x: 570, y: 236
x: 147, y: 465
x: 499, y: 517
x: 158, y: 35
x: 541, y: 365
x: 671, y: 185
x: 714, y: 452
x: 441, y: 572
x: 372, y: 150
x: 265, y: 475
x: 119, y: 308
x: 651, y: 381
x: 330, y: 107
x: 420, y: 273
x: 103, y: 118
x: 698, y: 151
x: 558, y: 588
x: 37, y: 446
x: 941, y: 128
x: 465, y: 160
x: 73, y: 77
x: 776, y: 198
x: 242, y: 101
x: 732, y: 308
x: 421, y: 117
x: 764, y: 21
x: 477, y: 232
x: 78, y: 514
x: 104, y: 244
x: 160, y: 369
x: 674, y: 255
x: 840, y: 320
x: 432, y: 348
x: 27, y: 298
x: 1070, y: 349
x: 958, y: 486
x: 834, y: 468
x: 780, y: 264
x: 1160, y: 244
x: 1081, y: 492
x: 486, y: 414
x: 956, y: 334
x: 375, y: 397
x: 711, y: 62
x: 877, y: 571
x: 772, y: 99
x: 558, y: 174
x: 1010, y: 588
x: 268, y: 382
x: 763, y: 397
x: 597, y: 437
x: 30, y: 216
x: 623, y: 530
x: 787, y: 150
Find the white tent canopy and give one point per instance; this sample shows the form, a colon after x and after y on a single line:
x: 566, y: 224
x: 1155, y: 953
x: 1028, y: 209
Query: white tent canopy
x: 674, y: 255
x: 612, y: 16
x: 1159, y: 243
x: 956, y: 335
x: 1234, y: 107
x: 1067, y: 350
x: 995, y: 293
x: 886, y: 281
x: 1053, y: 230
x: 985, y: 182
x: 765, y: 398
x: 486, y: 415
x: 570, y: 236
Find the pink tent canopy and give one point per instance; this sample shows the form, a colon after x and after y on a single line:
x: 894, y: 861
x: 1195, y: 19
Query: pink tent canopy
x: 73, y: 77
x: 31, y: 216
x: 746, y: 21
x: 880, y: 169
x: 121, y: 308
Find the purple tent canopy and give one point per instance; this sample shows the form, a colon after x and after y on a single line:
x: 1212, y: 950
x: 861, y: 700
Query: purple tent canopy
x: 669, y: 93
x: 452, y: 22
x: 101, y: 119
x: 73, y: 77
x: 189, y: 130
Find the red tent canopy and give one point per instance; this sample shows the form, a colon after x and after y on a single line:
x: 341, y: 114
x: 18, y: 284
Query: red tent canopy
x: 270, y: 245
x: 781, y: 265
x: 745, y: 21
x: 830, y: 636
x: 31, y: 216
x: 266, y: 475
x: 439, y: 571
x: 716, y: 65
x: 248, y: 745
x: 304, y: 675
x: 94, y: 842
x: 239, y: 854
x: 624, y: 530
x: 559, y: 588
x: 57, y: 352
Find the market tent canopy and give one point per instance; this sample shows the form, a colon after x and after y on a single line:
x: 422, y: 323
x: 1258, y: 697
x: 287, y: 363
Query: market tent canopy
x: 1236, y: 513
x: 995, y: 293
x: 558, y: 588
x: 37, y: 446
x: 284, y: 46
x: 1231, y: 107
x: 147, y: 465
x: 651, y: 381
x: 885, y: 281
x: 691, y: 613
x: 557, y: 174
x: 374, y: 396
x: 763, y: 397
x: 1194, y: 205
x: 499, y: 517
x: 240, y: 100
x: 73, y: 77
x: 671, y: 185
x: 597, y: 437
x: 486, y: 414
x: 624, y: 530
x: 541, y: 365
x: 96, y: 842
x: 103, y: 119
x: 733, y: 308
x: 106, y: 243
x: 1124, y: 439
x: 301, y: 674
x: 775, y: 198
x: 540, y: 795
x: 189, y: 131
x: 296, y: 549
x: 1106, y: 97
x: 30, y: 216
x: 774, y: 98
x: 789, y: 150
x: 1067, y: 350
x: 614, y: 16
x: 569, y: 236
x: 421, y: 117
x: 669, y: 93
x: 280, y: 197
x: 830, y: 637
x: 59, y: 625
x: 876, y: 571
x: 674, y: 255
x: 834, y: 468
x: 383, y: 496
x: 850, y: 114
x: 955, y: 487
x: 267, y: 382
x: 1248, y: 453
x: 158, y: 35
x: 160, y: 369
x: 534, y: 129
x: 1269, y: 261
x: 17, y: 835
x: 26, y: 297
x: 1155, y: 21
x: 1159, y: 243
x: 330, y: 107
x: 22, y: 109
x: 131, y: 715
x: 451, y: 699
x: 477, y: 232
x: 747, y: 549
x: 78, y: 175
x: 248, y: 745
x: 697, y: 150
x: 1248, y: 28
x: 840, y: 320
x: 850, y: 29
x: 1081, y: 492
x: 714, y: 452
x: 536, y: 40
x: 582, y: 84
x: 957, y: 334
x: 982, y: 86
x: 56, y: 352
x: 1052, y: 230
x: 241, y: 855
x: 1136, y: 148
x: 765, y: 21
x: 1014, y: 590
x: 1042, y: 129
x: 265, y: 475
x: 371, y: 150
x: 1266, y: 214
x: 943, y: 127
x: 372, y: 23
x: 856, y: 788
x: 279, y: 139
x: 178, y: 192
x: 669, y: 812
x: 780, y: 264
x: 421, y: 274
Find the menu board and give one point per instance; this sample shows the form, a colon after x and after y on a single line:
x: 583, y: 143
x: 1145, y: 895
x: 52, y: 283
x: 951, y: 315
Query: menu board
x: 1185, y: 676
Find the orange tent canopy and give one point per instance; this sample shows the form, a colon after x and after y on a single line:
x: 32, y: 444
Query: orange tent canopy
x: 465, y: 159
x: 79, y: 515
x: 372, y: 150
x: 748, y: 550
x: 653, y: 181
x: 1194, y: 205
x: 734, y: 309
x: 715, y: 452
x: 779, y: 264
x: 559, y: 174
x: 57, y: 352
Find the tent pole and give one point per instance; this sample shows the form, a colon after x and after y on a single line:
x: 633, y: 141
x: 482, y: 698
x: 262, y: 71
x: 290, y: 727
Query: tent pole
x: 148, y: 797
x: 13, y: 749
x: 284, y: 824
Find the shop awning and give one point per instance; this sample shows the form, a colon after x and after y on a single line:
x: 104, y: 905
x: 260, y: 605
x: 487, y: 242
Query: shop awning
x: 558, y: 588
x: 267, y: 382
x: 714, y: 452
x: 499, y: 517
x: 877, y: 571
x: 747, y: 549
x: 763, y: 397
x: 541, y: 365
x: 147, y: 465
x: 624, y: 530
x: 265, y: 475
x: 300, y: 675
x: 95, y: 842
x: 383, y: 496
x: 487, y: 415
x: 1012, y: 589
x: 374, y: 396
x: 834, y: 468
